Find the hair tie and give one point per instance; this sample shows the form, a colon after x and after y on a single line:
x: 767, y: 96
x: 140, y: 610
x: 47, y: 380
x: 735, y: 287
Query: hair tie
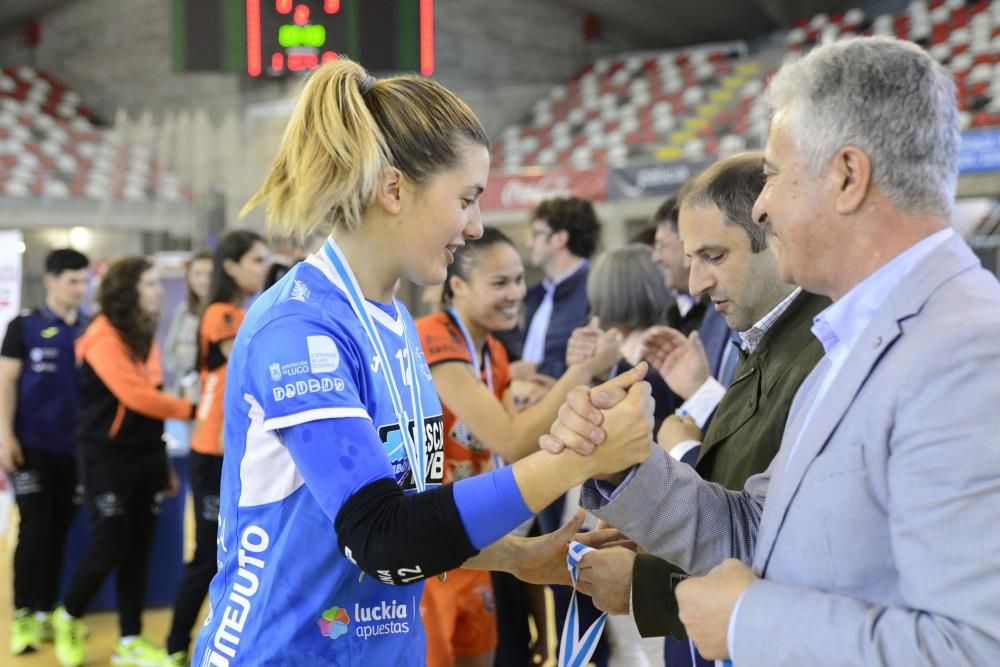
x: 367, y: 85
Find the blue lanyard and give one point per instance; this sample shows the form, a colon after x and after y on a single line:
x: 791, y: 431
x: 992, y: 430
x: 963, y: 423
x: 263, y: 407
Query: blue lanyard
x: 473, y: 354
x: 498, y: 461
x: 574, y: 650
x: 416, y: 454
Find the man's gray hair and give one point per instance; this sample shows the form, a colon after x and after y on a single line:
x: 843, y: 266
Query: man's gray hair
x: 889, y: 98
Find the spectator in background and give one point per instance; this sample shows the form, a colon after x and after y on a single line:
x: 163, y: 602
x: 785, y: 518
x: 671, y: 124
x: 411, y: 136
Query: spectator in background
x: 564, y: 234
x: 645, y: 237
x: 241, y: 265
x: 688, y: 314
x: 482, y: 294
x: 275, y: 273
x: 627, y: 294
x: 180, y: 348
x: 122, y: 457
x: 38, y: 411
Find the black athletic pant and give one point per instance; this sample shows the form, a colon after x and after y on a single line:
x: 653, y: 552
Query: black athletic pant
x: 44, y: 486
x: 123, y: 494
x: 514, y: 637
x: 206, y: 477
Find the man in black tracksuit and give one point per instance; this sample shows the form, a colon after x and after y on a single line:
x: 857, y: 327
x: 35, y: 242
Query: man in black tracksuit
x: 38, y: 413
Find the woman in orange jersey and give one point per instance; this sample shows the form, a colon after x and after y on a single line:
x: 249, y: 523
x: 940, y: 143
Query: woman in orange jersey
x: 122, y: 456
x: 482, y: 294
x: 240, y: 266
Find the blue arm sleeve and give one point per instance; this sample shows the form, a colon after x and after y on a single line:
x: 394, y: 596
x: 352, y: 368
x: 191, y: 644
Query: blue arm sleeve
x: 336, y: 458
x: 490, y: 505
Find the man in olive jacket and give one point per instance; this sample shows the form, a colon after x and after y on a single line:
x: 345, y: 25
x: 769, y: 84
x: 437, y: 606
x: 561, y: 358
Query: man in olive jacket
x: 743, y: 437
x: 775, y: 350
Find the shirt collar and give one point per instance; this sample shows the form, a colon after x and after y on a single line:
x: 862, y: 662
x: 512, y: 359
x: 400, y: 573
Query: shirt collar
x: 840, y: 325
x: 685, y: 302
x: 751, y: 337
x: 558, y: 280
x: 51, y: 316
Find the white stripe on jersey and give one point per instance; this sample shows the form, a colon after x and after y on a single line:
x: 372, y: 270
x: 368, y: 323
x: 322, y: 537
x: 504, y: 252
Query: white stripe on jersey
x: 313, y: 415
x: 267, y: 472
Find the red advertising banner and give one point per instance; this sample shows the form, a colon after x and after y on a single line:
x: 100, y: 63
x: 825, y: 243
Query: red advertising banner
x: 524, y: 190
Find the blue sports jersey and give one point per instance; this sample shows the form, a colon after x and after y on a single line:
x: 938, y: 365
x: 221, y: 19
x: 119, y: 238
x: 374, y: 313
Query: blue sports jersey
x: 303, y: 366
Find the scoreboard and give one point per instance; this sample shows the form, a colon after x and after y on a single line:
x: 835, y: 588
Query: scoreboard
x: 288, y: 36
x: 271, y: 38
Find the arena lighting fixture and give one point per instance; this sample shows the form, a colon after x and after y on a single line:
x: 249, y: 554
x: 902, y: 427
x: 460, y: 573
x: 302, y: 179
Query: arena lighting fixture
x: 80, y: 238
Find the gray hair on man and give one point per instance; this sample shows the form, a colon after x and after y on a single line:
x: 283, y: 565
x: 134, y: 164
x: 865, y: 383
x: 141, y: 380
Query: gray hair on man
x: 889, y: 98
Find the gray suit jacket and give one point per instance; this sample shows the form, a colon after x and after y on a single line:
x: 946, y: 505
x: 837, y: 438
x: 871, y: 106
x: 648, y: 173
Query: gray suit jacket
x: 878, y: 545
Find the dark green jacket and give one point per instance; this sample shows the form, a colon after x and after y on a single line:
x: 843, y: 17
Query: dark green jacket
x: 744, y: 435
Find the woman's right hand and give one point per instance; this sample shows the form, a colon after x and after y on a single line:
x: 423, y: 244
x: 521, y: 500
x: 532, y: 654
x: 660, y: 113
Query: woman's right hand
x: 607, y: 352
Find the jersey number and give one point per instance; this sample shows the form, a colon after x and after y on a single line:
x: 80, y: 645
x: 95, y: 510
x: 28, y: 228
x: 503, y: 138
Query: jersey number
x: 403, y: 356
x: 403, y: 575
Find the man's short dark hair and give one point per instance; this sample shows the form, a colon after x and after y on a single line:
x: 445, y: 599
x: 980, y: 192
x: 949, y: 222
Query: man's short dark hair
x: 667, y: 213
x: 645, y: 236
x: 732, y: 185
x: 576, y: 217
x: 65, y: 259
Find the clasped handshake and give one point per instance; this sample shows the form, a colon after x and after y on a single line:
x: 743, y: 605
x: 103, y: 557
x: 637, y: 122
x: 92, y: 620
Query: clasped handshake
x: 609, y: 429
x: 619, y: 413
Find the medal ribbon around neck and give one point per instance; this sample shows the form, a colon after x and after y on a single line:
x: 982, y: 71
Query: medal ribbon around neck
x: 416, y: 453
x: 498, y: 462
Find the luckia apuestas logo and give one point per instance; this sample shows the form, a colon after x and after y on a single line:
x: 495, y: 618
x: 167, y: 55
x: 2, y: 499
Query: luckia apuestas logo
x: 334, y: 621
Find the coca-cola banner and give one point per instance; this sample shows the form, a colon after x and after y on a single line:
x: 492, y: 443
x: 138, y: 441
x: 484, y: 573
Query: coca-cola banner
x: 652, y: 180
x: 524, y: 190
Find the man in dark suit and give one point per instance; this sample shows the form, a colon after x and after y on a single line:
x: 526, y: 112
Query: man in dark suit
x: 731, y: 266
x: 687, y: 313
x: 564, y: 234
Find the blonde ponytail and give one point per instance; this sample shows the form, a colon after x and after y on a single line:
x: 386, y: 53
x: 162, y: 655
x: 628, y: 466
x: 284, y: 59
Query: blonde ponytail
x: 339, y: 141
x: 330, y: 159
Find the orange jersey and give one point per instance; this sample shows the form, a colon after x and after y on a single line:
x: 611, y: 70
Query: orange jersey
x: 442, y: 341
x: 220, y: 322
x: 459, y: 616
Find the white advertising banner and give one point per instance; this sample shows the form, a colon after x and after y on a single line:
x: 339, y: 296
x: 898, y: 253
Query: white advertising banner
x: 10, y: 305
x: 10, y: 276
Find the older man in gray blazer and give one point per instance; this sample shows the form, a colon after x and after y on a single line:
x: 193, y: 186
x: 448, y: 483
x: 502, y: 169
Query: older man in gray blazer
x: 872, y: 538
